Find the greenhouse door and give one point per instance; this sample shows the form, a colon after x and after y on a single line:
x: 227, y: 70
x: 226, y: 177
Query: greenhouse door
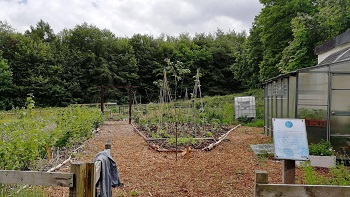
x: 340, y: 111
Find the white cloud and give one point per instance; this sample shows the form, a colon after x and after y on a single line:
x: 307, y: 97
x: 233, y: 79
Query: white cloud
x: 128, y: 17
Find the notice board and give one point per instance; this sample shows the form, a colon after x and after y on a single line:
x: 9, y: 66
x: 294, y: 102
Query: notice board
x: 290, y: 139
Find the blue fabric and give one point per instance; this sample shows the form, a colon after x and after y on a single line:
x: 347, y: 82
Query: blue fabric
x: 109, y: 174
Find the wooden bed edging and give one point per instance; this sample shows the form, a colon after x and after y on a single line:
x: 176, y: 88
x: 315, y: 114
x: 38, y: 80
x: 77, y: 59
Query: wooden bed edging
x: 208, y: 148
x: 262, y: 188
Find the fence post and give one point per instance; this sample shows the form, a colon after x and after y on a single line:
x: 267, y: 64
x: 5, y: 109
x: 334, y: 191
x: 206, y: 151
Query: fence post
x: 261, y: 177
x: 90, y: 187
x: 288, y: 171
x: 108, y: 146
x: 79, y: 170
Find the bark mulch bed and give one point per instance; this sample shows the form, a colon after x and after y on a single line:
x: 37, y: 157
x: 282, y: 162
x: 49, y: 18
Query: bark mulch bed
x: 226, y: 170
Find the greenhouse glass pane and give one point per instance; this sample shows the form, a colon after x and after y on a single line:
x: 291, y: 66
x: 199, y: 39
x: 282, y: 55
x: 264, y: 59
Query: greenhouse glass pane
x: 292, y: 96
x: 340, y: 125
x: 313, y: 89
x: 341, y: 67
x: 279, y: 107
x: 312, y: 104
x: 340, y: 100
x: 266, y: 111
x: 270, y: 114
x: 270, y: 108
x: 284, y: 98
x: 341, y: 144
x: 315, y: 121
x: 274, y: 102
x: 284, y: 108
x: 285, y: 87
x: 340, y: 81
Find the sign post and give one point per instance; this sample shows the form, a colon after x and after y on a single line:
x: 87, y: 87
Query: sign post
x: 291, y: 144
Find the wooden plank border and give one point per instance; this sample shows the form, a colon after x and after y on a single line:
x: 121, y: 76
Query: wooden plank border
x: 36, y: 178
x: 302, y: 190
x: 263, y: 189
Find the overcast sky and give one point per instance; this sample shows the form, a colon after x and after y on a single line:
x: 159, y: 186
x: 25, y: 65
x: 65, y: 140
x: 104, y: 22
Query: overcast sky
x: 128, y: 17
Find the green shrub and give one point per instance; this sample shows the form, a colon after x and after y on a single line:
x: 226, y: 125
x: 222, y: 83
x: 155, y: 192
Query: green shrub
x: 323, y: 148
x: 24, y: 139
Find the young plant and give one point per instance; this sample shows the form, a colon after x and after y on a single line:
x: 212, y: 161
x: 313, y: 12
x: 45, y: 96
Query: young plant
x: 323, y: 148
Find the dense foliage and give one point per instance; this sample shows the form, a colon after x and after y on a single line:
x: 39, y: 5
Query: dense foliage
x: 284, y: 35
x: 69, y: 66
x: 26, y: 133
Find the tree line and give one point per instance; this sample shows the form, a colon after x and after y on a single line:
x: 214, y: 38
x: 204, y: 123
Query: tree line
x: 284, y: 35
x: 68, y: 67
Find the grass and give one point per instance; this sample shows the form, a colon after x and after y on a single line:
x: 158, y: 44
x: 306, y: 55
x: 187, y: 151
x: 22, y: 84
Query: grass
x: 255, y: 123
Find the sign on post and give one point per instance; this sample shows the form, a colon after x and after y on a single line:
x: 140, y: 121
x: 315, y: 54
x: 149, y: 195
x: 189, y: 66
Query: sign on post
x: 290, y: 139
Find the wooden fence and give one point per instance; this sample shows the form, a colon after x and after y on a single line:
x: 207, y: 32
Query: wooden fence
x: 81, y: 179
x: 262, y: 188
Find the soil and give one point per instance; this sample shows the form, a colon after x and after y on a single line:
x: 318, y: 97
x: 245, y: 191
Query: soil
x: 226, y: 170
x: 184, y: 130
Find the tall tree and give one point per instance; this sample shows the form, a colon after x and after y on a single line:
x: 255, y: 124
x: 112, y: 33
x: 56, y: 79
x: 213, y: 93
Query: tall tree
x: 6, y: 84
x: 333, y: 17
x: 218, y: 78
x: 300, y: 51
x: 94, y: 57
x: 247, y: 66
x: 145, y: 51
x: 276, y: 31
x: 42, y: 31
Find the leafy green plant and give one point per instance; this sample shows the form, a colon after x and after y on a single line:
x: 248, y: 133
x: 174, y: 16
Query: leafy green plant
x: 182, y: 141
x: 134, y: 193
x: 23, y: 142
x: 74, y: 124
x: 323, y: 148
x: 262, y: 158
x: 30, y: 101
x: 256, y: 123
x: 2, y: 115
x: 310, y: 176
x: 316, y: 114
x: 339, y: 175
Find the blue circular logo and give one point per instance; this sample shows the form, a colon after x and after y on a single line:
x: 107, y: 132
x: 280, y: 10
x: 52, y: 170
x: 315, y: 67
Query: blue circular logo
x: 289, y: 124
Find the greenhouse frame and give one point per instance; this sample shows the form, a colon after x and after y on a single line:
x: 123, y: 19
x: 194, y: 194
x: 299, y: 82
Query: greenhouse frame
x: 318, y: 94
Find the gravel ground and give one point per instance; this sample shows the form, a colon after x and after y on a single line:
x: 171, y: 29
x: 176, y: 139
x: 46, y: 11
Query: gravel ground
x: 227, y: 170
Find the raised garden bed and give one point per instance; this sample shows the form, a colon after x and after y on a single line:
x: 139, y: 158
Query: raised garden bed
x: 173, y: 136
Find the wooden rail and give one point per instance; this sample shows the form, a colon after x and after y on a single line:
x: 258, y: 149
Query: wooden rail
x: 262, y: 188
x: 36, y: 178
x: 81, y: 180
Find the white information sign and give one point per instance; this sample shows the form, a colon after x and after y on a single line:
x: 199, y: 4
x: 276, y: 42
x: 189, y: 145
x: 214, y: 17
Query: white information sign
x: 290, y: 139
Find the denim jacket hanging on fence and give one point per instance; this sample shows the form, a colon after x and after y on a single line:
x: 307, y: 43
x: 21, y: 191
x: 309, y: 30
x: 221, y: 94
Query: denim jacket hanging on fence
x: 109, y: 174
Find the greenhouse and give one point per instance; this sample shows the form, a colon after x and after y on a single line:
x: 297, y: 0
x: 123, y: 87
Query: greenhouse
x: 319, y: 94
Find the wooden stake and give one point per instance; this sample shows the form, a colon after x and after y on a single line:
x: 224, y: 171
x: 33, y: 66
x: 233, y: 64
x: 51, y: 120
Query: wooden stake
x: 188, y: 152
x: 288, y: 172
x: 48, y: 152
x: 108, y: 146
x: 261, y: 177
